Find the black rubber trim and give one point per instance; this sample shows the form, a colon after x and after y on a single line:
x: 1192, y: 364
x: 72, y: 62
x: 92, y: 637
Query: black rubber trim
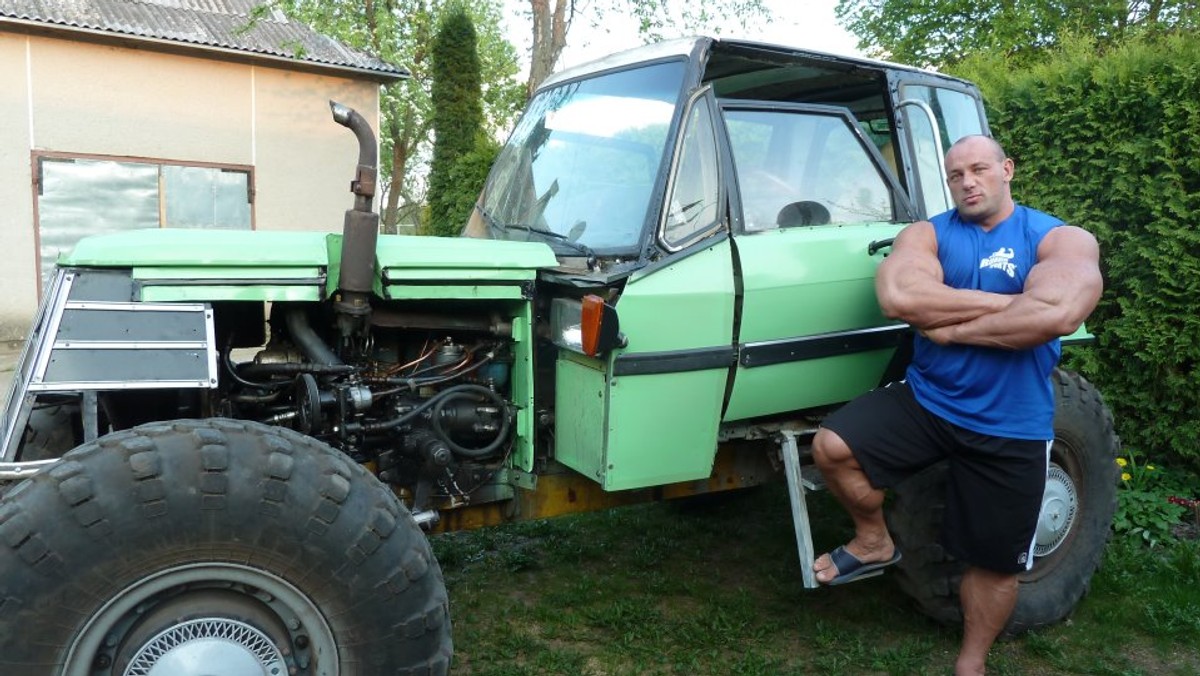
x: 822, y: 345
x: 674, y: 361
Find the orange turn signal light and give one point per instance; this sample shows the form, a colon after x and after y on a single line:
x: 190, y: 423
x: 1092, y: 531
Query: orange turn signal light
x: 600, y: 329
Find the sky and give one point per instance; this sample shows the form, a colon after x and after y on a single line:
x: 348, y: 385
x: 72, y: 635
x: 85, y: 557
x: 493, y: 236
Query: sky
x: 799, y: 23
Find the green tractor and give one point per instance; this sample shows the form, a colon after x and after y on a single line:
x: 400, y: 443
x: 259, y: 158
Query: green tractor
x: 229, y: 448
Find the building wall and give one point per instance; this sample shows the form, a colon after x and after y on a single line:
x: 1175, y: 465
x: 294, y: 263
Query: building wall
x: 63, y: 96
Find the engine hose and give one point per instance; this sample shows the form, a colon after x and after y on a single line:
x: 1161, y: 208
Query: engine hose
x: 397, y: 422
x: 290, y: 369
x: 256, y: 398
x: 463, y: 391
x: 227, y: 360
x: 308, y: 340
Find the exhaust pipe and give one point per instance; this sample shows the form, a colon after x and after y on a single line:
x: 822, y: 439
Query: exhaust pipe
x: 360, y: 230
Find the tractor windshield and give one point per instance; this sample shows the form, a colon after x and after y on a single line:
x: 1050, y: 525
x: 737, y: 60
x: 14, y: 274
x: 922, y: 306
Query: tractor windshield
x: 580, y: 167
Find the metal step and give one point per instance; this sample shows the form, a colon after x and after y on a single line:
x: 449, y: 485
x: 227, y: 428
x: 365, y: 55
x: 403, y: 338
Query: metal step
x: 799, y: 481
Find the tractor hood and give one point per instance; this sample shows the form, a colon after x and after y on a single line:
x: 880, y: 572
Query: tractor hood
x: 177, y: 247
x: 176, y: 264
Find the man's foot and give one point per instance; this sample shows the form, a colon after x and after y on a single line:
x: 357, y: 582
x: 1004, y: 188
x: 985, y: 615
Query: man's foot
x: 841, y: 565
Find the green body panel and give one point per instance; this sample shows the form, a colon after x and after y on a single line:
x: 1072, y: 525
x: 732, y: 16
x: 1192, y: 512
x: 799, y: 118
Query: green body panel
x: 206, y: 248
x: 400, y: 275
x: 1081, y: 336
x: 803, y: 282
x: 522, y: 384
x: 192, y: 293
x: 580, y: 428
x: 687, y: 303
x: 473, y: 292
x: 255, y: 283
x: 646, y: 430
x: 267, y: 274
x: 446, y: 255
x: 242, y: 254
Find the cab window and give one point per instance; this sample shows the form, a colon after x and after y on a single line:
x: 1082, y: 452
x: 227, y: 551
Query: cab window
x: 799, y: 168
x: 692, y: 208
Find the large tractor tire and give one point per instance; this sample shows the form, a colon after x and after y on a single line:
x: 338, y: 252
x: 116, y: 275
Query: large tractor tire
x: 1076, y: 516
x: 215, y: 547
x: 51, y: 431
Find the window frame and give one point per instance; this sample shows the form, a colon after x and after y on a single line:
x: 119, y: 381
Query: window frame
x: 701, y: 99
x: 903, y: 210
x: 37, y: 157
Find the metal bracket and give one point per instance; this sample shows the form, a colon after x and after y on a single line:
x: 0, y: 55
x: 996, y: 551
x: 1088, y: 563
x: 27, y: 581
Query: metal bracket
x: 89, y: 411
x: 521, y: 479
x: 796, y: 487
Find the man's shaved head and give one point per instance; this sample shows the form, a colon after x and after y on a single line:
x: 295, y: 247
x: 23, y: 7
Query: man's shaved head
x: 972, y: 139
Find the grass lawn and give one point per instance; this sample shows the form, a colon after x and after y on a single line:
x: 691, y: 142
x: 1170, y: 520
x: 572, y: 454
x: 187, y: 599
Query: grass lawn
x: 715, y: 589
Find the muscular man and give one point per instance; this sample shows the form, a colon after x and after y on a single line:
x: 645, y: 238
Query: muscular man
x: 989, y: 286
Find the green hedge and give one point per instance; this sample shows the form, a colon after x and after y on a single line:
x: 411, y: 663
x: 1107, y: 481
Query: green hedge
x: 1110, y: 143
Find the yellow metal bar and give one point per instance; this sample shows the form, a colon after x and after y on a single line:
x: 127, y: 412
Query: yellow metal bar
x: 567, y: 492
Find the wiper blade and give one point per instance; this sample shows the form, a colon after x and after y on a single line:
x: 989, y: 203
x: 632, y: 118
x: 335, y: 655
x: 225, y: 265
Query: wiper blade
x: 542, y: 232
x: 556, y: 236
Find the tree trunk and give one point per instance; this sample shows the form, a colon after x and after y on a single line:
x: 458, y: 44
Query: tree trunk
x: 551, y: 20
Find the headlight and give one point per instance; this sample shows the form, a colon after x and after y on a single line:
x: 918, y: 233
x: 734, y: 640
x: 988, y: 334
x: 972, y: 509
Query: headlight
x: 588, y: 327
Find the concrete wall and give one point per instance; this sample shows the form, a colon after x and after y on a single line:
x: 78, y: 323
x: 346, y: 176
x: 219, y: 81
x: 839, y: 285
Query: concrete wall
x: 64, y: 96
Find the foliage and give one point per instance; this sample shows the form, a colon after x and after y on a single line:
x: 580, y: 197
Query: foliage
x: 401, y: 33
x: 944, y: 33
x: 551, y: 21
x: 1144, y: 506
x: 457, y: 122
x: 1105, y: 141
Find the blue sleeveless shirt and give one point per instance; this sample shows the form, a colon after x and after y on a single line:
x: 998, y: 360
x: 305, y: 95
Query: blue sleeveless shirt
x: 1004, y: 393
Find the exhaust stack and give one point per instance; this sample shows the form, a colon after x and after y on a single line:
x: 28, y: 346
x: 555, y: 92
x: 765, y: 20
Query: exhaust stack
x: 360, y: 230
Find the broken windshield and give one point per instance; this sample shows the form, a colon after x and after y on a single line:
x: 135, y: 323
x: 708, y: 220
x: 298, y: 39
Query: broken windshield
x: 580, y: 167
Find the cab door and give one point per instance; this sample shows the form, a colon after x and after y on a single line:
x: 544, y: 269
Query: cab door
x: 817, y: 211
x: 648, y: 414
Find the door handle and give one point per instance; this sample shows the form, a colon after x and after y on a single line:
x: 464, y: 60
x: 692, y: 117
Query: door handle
x: 878, y: 244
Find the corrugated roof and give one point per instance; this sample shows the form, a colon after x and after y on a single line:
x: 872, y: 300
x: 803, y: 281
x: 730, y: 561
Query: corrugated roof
x: 220, y: 24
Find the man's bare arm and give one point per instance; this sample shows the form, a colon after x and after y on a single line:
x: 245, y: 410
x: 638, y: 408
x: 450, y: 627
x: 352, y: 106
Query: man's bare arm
x: 910, y: 285
x: 1060, y: 292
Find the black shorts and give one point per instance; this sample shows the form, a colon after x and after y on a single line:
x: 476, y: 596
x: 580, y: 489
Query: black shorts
x: 994, y: 487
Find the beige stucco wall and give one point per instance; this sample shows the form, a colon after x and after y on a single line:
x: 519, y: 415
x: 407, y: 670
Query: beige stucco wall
x: 71, y: 97
x: 18, y: 277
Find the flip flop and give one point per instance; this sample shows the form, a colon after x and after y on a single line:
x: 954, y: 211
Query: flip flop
x: 850, y: 568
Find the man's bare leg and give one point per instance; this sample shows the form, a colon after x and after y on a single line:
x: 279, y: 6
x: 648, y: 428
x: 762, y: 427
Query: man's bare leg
x: 849, y: 484
x: 988, y: 599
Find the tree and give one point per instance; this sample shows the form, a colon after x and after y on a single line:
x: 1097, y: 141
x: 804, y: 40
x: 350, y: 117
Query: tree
x: 943, y: 32
x: 457, y: 119
x: 401, y: 32
x: 552, y: 20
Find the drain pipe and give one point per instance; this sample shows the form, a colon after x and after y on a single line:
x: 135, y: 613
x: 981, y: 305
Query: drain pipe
x: 360, y: 231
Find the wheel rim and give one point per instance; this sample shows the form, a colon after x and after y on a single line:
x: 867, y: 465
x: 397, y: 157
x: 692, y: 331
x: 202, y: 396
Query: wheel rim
x: 1060, y: 504
x: 1064, y: 477
x: 191, y: 649
x: 205, y: 619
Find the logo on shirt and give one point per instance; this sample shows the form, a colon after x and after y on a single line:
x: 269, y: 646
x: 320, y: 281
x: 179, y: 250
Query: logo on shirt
x: 1001, y: 260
